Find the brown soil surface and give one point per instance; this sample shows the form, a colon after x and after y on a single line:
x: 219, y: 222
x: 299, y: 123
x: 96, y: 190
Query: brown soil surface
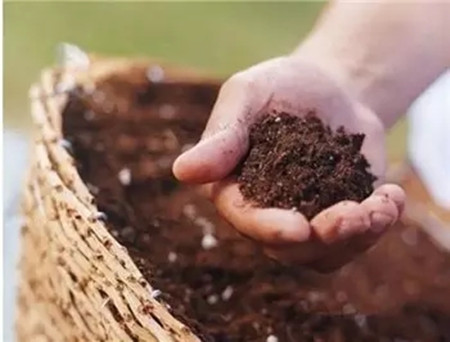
x: 125, y: 137
x: 299, y: 163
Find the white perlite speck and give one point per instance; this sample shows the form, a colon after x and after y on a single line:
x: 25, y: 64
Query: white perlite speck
x: 99, y: 215
x: 70, y: 55
x: 155, y: 293
x: 125, y: 176
x: 272, y: 338
x: 212, y: 299
x: 172, y: 257
x: 209, y: 241
x: 155, y: 73
x: 227, y: 293
x: 66, y: 144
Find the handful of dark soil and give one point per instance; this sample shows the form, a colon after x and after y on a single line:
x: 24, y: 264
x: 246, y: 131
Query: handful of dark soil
x: 300, y: 163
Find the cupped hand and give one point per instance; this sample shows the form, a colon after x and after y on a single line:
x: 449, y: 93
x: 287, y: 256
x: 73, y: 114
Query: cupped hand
x: 295, y: 86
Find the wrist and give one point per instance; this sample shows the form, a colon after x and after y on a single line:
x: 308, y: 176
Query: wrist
x: 355, y: 77
x: 380, y: 73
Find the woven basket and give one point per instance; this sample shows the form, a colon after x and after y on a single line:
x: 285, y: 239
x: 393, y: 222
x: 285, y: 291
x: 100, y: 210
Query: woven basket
x: 77, y: 282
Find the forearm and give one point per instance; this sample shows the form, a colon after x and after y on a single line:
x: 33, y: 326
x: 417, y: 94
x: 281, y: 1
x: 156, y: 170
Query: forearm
x: 386, y: 54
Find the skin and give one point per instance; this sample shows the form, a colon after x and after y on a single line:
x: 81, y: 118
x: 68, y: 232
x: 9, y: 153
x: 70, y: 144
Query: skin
x: 363, y: 87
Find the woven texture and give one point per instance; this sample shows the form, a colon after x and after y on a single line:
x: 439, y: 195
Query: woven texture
x: 77, y: 283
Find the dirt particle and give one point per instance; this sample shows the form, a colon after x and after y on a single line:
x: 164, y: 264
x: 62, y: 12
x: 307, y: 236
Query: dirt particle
x: 348, y: 309
x: 128, y: 234
x: 190, y: 211
x: 206, y: 225
x: 410, y: 287
x: 167, y: 112
x: 360, y: 320
x: 341, y: 297
x: 89, y: 115
x: 314, y: 296
x: 107, y: 243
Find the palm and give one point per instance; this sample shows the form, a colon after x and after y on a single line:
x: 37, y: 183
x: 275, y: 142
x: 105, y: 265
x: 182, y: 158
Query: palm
x: 287, y: 85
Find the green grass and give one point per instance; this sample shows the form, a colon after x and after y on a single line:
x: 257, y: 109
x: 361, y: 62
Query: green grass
x: 218, y: 37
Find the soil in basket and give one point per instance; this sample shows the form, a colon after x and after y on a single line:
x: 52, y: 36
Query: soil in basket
x: 125, y: 137
x: 298, y: 163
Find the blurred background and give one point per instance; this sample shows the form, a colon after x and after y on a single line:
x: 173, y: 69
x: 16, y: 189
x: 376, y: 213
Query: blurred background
x: 217, y: 37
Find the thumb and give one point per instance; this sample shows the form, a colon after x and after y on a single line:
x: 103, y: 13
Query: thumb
x: 225, y: 139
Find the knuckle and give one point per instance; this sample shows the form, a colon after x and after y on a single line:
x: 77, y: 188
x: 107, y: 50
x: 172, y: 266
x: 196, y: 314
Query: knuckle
x: 383, y: 219
x: 348, y: 205
x: 239, y: 81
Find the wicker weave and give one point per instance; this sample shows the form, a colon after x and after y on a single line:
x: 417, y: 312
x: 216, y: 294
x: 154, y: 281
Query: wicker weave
x: 77, y: 282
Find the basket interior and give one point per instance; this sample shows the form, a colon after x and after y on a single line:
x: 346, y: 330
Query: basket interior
x: 125, y: 135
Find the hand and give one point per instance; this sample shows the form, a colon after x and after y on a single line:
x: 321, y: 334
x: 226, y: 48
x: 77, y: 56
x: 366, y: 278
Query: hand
x: 291, y: 85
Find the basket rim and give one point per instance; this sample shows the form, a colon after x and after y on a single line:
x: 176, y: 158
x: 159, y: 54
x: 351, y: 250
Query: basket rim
x: 48, y: 99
